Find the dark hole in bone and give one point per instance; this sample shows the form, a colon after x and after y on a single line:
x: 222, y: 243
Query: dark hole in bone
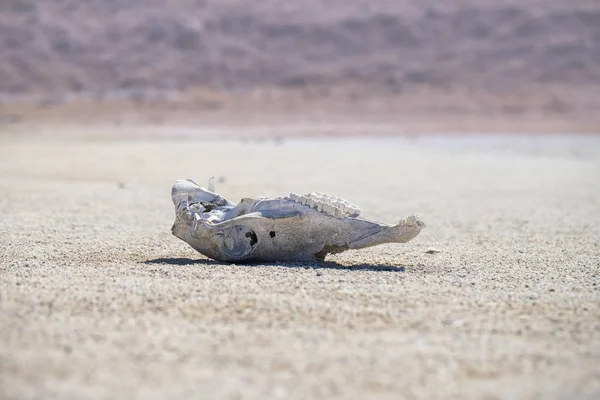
x: 253, y: 238
x: 208, y: 206
x: 272, y: 233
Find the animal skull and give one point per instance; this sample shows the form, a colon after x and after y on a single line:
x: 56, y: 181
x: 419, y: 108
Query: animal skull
x: 290, y: 228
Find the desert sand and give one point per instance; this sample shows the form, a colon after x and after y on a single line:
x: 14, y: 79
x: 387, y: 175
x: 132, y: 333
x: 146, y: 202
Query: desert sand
x: 99, y: 300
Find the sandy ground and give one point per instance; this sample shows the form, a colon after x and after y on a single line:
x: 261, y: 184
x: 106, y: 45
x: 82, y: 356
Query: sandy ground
x: 99, y: 300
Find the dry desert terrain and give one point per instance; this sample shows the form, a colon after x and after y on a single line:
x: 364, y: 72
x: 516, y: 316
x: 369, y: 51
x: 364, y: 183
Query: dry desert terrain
x: 99, y: 300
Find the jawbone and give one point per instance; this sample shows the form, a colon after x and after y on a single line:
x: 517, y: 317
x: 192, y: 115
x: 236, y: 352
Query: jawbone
x: 290, y: 228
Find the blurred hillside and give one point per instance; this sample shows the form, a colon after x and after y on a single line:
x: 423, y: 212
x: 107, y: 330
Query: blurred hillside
x: 104, y: 48
x: 110, y: 45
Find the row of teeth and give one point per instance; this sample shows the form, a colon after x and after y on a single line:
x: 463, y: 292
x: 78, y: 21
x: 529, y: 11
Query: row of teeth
x: 330, y: 205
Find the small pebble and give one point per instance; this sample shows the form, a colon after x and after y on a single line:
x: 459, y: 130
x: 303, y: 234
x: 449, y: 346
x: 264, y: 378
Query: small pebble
x: 432, y: 250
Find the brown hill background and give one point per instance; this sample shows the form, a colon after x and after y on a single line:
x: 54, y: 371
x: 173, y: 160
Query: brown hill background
x: 145, y: 48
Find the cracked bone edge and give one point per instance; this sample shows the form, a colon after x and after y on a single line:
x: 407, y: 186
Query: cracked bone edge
x: 197, y: 219
x: 413, y: 220
x: 184, y: 210
x: 183, y: 189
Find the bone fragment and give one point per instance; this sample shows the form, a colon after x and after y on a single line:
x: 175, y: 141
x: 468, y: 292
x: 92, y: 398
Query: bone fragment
x: 277, y: 229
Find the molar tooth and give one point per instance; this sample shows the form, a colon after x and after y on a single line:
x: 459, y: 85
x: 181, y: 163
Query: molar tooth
x: 319, y: 205
x: 311, y: 202
x: 354, y: 212
x: 303, y: 200
x: 338, y: 212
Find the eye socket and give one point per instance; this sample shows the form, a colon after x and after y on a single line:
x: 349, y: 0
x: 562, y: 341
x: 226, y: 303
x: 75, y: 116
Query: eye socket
x: 272, y: 233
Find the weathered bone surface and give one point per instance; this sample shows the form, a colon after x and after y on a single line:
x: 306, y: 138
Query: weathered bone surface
x: 290, y: 228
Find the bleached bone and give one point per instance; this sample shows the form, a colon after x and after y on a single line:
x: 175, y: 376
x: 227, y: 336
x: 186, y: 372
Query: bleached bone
x: 289, y: 228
